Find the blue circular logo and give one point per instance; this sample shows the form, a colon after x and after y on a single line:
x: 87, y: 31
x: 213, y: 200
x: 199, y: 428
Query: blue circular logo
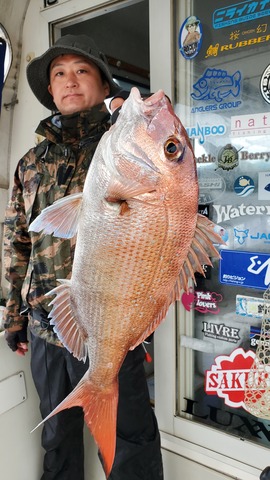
x: 243, y: 186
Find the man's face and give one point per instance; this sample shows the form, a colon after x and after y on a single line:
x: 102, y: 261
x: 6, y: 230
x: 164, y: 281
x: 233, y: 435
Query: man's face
x: 76, y: 84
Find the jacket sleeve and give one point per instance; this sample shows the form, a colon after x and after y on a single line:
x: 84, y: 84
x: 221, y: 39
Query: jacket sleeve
x: 17, y: 248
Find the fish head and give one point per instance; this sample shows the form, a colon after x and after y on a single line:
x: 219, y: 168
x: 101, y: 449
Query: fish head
x: 148, y: 145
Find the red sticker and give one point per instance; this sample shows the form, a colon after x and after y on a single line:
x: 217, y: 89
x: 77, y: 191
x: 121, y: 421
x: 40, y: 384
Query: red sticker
x: 228, y: 376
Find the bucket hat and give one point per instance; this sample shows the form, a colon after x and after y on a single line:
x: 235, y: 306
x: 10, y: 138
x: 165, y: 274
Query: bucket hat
x: 192, y: 21
x: 38, y: 70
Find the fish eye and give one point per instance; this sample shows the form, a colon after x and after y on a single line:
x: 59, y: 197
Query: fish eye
x: 174, y: 149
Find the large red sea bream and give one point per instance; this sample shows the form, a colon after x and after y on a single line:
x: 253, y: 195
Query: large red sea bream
x: 139, y: 240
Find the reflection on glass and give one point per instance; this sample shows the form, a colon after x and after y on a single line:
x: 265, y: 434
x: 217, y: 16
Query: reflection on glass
x: 5, y: 52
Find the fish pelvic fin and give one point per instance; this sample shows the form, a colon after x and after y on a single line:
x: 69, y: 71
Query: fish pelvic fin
x: 60, y: 219
x: 100, y: 414
x: 66, y: 325
x: 199, y: 254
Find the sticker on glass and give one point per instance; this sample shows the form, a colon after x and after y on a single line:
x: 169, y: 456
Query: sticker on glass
x: 190, y: 37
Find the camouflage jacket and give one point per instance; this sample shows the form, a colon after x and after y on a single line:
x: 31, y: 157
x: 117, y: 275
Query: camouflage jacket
x: 53, y: 169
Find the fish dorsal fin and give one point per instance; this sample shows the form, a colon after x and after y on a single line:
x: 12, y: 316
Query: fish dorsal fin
x: 200, y: 250
x: 70, y: 333
x: 60, y: 219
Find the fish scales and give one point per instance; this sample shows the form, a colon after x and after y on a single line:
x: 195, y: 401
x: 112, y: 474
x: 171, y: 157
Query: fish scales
x: 139, y: 240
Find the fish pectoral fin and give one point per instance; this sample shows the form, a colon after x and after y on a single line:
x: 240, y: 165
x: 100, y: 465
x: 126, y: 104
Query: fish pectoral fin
x: 70, y: 333
x: 61, y: 218
x: 100, y: 413
x: 199, y: 254
x: 121, y: 190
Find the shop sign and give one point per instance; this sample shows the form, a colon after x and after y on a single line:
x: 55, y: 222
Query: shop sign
x: 240, y: 12
x: 228, y: 212
x: 251, y: 306
x: 244, y: 269
x: 228, y: 376
x: 255, y: 124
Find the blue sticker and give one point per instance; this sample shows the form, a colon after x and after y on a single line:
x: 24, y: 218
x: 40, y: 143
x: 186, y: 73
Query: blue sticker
x: 190, y: 37
x: 246, y: 269
x: 240, y: 12
x: 216, y: 84
x: 255, y: 337
x: 244, y: 186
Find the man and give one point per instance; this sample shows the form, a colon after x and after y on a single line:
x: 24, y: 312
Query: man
x: 73, y: 79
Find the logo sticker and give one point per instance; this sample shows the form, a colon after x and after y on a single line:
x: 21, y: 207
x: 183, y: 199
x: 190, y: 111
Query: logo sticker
x: 228, y: 158
x: 222, y: 232
x: 206, y: 158
x: 228, y: 376
x: 256, y: 124
x: 264, y: 186
x: 244, y: 269
x: 203, y: 302
x: 240, y: 12
x: 202, y: 131
x: 265, y: 84
x: 203, y: 210
x: 245, y: 155
x: 251, y: 306
x: 256, y: 338
x: 221, y: 332
x: 244, y: 186
x: 190, y: 37
x: 216, y: 84
x: 211, y: 186
x: 228, y: 212
x: 242, y: 235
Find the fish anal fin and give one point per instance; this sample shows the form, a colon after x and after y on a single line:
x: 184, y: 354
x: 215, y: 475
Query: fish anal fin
x: 100, y: 414
x: 153, y: 326
x: 61, y: 218
x: 69, y: 331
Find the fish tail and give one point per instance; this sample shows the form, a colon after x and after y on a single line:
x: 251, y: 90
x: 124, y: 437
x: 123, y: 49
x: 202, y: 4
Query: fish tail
x: 100, y: 414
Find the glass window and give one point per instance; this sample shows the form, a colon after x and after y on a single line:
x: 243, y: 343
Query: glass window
x: 222, y: 96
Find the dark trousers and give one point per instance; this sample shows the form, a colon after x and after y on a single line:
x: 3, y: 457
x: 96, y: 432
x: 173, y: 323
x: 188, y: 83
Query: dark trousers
x: 138, y: 457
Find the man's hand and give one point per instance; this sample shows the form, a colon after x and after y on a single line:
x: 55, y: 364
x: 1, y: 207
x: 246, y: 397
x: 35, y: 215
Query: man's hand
x: 17, y: 341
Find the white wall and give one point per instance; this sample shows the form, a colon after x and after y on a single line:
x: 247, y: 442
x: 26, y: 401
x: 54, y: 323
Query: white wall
x: 20, y: 458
